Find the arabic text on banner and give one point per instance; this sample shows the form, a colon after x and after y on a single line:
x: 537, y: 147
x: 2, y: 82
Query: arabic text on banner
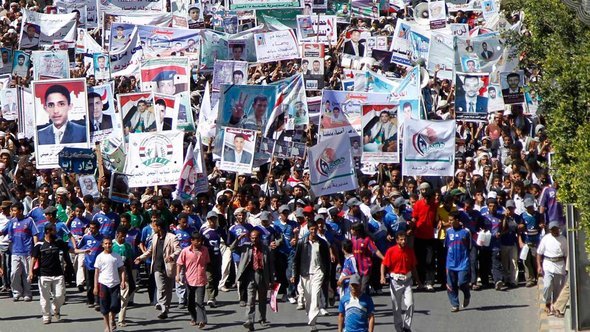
x: 331, y: 166
x: 429, y: 148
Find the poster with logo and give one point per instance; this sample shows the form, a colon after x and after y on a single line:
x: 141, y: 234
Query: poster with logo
x: 380, y: 133
x: 471, y: 96
x: 154, y: 158
x: 104, y: 121
x: 237, y: 154
x: 50, y: 64
x: 331, y: 166
x: 429, y: 148
x: 60, y: 118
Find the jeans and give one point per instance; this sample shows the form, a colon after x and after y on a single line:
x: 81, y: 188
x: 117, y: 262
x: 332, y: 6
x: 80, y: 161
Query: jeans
x: 51, y: 287
x: 457, y: 280
x: 18, y: 276
x: 5, y: 264
x: 401, y: 290
x: 197, y: 310
x: 497, y: 269
x: 181, y: 289
x: 90, y: 286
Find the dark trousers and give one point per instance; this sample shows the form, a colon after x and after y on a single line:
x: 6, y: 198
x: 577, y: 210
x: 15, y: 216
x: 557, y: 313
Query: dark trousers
x: 256, y: 287
x: 281, y: 264
x: 497, y: 269
x: 457, y: 280
x: 485, y: 265
x: 213, y: 277
x: 441, y: 262
x: 197, y: 308
x: 5, y: 264
x: 473, y: 264
x: 424, y: 249
x: 90, y: 286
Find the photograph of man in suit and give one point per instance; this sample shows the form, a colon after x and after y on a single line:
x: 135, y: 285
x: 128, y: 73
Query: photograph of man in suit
x: 354, y: 46
x: 470, y: 101
x: 513, y: 94
x: 9, y: 106
x: 98, y: 120
x: 101, y: 69
x: 237, y: 153
x: 486, y: 54
x: 160, y: 108
x: 59, y: 130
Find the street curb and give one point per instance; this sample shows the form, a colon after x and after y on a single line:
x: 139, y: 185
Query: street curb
x: 548, y: 323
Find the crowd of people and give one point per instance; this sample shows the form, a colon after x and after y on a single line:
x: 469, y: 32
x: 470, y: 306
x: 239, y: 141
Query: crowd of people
x: 496, y: 217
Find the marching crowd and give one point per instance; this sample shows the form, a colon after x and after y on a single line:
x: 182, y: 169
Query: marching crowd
x: 267, y: 232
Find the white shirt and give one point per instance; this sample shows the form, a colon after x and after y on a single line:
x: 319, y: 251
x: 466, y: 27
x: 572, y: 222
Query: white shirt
x: 59, y: 133
x: 551, y: 246
x: 4, y: 239
x: 315, y: 264
x: 109, y: 265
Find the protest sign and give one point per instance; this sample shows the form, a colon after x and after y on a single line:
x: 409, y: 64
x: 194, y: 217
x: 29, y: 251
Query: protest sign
x: 50, y: 64
x: 104, y: 121
x: 26, y: 112
x: 365, y: 8
x: 130, y: 6
x: 166, y: 111
x: 9, y: 104
x: 154, y: 158
x: 317, y: 29
x: 264, y: 151
x: 409, y: 87
x: 238, y: 150
x: 380, y: 133
x: 215, y: 47
x: 151, y: 18
x: 137, y: 111
x: 6, y: 65
x: 77, y: 160
x: 487, y: 48
x: 20, y: 64
x: 277, y: 19
x: 461, y: 30
x: 246, y: 106
x: 126, y: 61
x: 264, y: 4
x: 512, y: 87
x: 312, y: 65
x: 400, y: 44
x: 87, y: 8
x: 229, y: 72
x: 61, y: 119
x: 290, y: 111
x: 101, y: 66
x: 276, y: 46
x: 40, y: 29
x: 429, y: 148
x: 331, y: 166
x: 471, y: 96
x: 441, y: 56
x: 167, y: 75
x: 419, y: 45
x: 495, y: 99
x: 376, y: 83
x: 119, y: 188
x: 88, y: 185
x: 437, y: 14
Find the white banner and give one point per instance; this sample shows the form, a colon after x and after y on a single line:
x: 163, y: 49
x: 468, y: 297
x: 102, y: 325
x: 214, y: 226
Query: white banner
x: 40, y: 30
x: 127, y: 60
x: 429, y: 148
x: 154, y: 158
x: 276, y: 46
x: 90, y: 18
x: 317, y: 29
x: 331, y: 166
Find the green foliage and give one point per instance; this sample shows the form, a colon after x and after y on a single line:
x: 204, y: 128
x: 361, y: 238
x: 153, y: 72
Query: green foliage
x: 559, y: 44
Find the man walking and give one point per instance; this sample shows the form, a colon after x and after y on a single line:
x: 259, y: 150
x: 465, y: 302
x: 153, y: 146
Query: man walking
x: 458, y: 244
x: 356, y: 309
x: 400, y: 263
x: 109, y: 279
x: 194, y: 259
x: 47, y: 253
x: 551, y: 255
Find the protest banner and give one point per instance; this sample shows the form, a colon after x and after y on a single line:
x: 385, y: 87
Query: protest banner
x: 487, y: 48
x: 278, y: 19
x: 126, y: 61
x: 471, y: 96
x: 119, y: 188
x: 20, y: 64
x: 437, y: 14
x: 238, y: 150
x: 166, y: 111
x: 317, y: 29
x: 376, y: 83
x: 512, y: 87
x: 331, y: 166
x: 87, y: 8
x: 154, y: 158
x: 441, y: 56
x: 77, y: 160
x: 9, y: 104
x: 365, y: 8
x: 137, y: 111
x: 104, y: 120
x: 26, y: 112
x: 460, y: 30
x: 290, y: 111
x: 463, y: 5
x: 419, y: 45
x: 39, y: 30
x: 50, y: 64
x: 400, y: 44
x: 276, y: 46
x: 229, y: 72
x: 215, y: 47
x: 61, y: 119
x: 88, y: 185
x: 264, y: 4
x: 151, y: 18
x: 129, y: 6
x: 167, y: 75
x: 380, y: 133
x: 429, y: 148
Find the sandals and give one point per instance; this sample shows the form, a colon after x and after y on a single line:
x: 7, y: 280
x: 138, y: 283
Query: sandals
x: 558, y: 314
x: 202, y: 325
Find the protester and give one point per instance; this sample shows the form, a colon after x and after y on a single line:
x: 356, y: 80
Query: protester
x: 551, y: 257
x: 109, y: 279
x: 356, y: 309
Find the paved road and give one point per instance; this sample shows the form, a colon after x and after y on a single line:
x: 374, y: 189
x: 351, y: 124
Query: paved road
x: 490, y: 310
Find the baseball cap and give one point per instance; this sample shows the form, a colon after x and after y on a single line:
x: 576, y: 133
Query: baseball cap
x: 553, y: 224
x: 510, y: 204
x: 528, y: 202
x: 424, y: 185
x: 308, y: 209
x: 50, y: 210
x: 322, y: 210
x: 399, y: 202
x: 212, y: 214
x: 376, y: 209
x: 355, y: 279
x: 319, y: 217
x: 353, y: 202
x: 299, y: 213
x: 265, y: 215
x: 284, y: 208
x: 237, y: 211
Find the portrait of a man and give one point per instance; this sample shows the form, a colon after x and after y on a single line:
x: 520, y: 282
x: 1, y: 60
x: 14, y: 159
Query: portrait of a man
x: 354, y: 45
x: 98, y: 120
x: 30, y: 38
x: 469, y: 99
x: 237, y: 154
x: 57, y: 102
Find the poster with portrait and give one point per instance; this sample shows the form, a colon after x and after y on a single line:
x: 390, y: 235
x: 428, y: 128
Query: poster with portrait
x: 167, y: 75
x: 437, y: 14
x: 119, y: 188
x: 495, y: 99
x: 489, y: 9
x: 20, y: 64
x: 317, y: 29
x: 185, y: 119
x: 419, y: 44
x: 408, y: 109
x: 6, y: 64
x: 195, y: 16
x: 39, y: 30
x: 283, y: 149
x: 154, y: 158
x: 26, y: 112
x: 400, y: 44
x: 237, y: 153
x: 298, y: 150
x: 470, y: 64
x: 264, y: 151
x: 341, y: 8
x: 290, y: 117
x: 229, y: 72
x: 471, y: 96
x: 9, y: 104
x: 137, y: 112
x: 61, y: 119
x: 512, y: 87
x: 50, y: 64
x: 487, y: 48
x: 365, y: 8
x: 312, y: 65
x: 88, y: 185
x: 101, y: 64
x: 375, y: 43
x: 380, y: 138
x: 78, y: 8
x: 112, y: 18
x: 441, y: 56
x: 238, y: 50
x: 166, y: 111
x: 104, y: 121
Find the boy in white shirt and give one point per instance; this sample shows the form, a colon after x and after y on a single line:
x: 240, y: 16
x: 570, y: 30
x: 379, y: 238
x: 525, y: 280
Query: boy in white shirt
x: 551, y: 257
x: 110, y: 276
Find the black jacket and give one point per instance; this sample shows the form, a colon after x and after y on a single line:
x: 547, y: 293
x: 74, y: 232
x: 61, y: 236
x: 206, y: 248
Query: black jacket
x: 302, y: 259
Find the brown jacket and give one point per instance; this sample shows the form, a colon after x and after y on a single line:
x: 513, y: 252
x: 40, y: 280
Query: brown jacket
x: 171, y: 249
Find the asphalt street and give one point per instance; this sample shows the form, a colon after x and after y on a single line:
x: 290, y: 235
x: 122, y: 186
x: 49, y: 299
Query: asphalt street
x: 490, y: 310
